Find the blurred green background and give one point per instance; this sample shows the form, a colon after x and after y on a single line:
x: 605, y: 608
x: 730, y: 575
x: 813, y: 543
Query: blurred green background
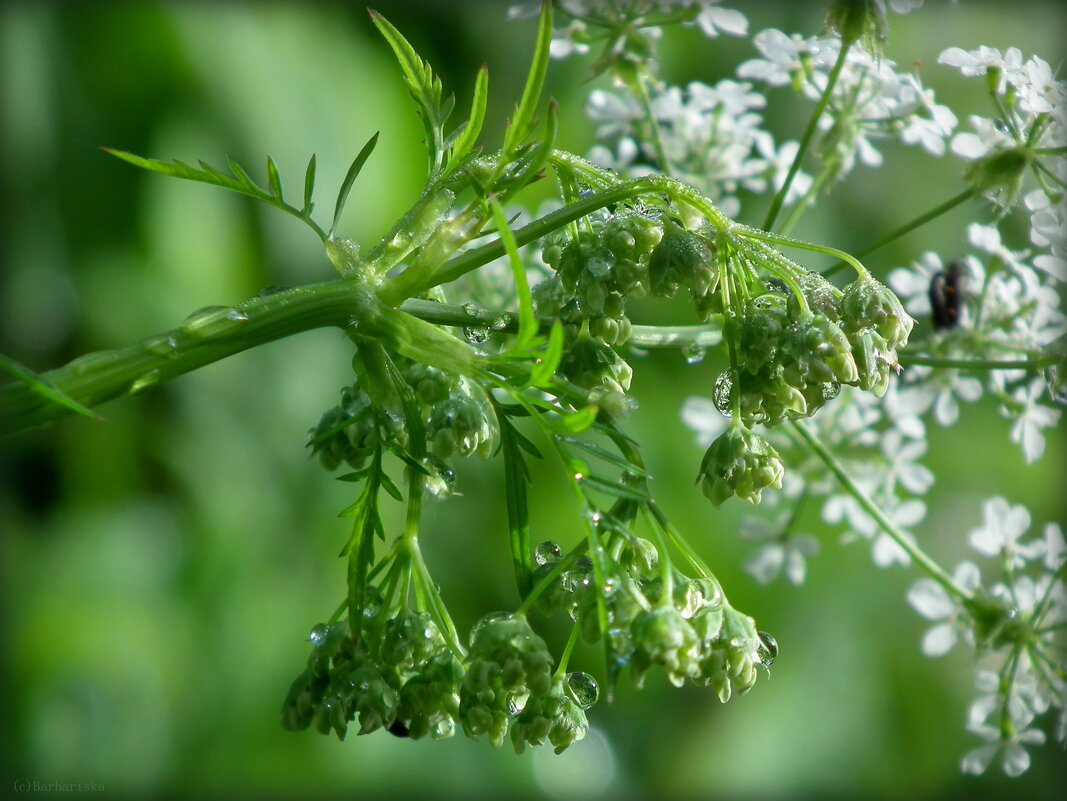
x: 161, y: 571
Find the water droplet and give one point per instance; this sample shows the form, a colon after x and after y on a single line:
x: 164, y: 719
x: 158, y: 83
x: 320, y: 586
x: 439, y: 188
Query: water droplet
x: 584, y: 688
x: 500, y: 323
x: 318, y: 634
x: 212, y: 320
x: 90, y: 362
x: 831, y: 390
x: 443, y: 729
x: 272, y: 289
x: 163, y: 345
x: 547, y: 552
x: 694, y: 354
x: 768, y: 648
x: 724, y: 386
x: 492, y: 617
x: 516, y: 703
x: 471, y: 309
x: 149, y: 379
x: 476, y: 336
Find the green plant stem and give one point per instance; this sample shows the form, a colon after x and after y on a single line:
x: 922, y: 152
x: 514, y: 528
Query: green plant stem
x: 805, y: 139
x: 908, y: 359
x: 640, y: 88
x: 907, y: 227
x: 925, y: 563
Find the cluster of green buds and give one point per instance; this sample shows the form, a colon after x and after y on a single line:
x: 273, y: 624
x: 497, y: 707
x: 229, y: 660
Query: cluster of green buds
x: 457, y: 417
x: 399, y: 675
x: 652, y: 614
x: 597, y: 270
x: 793, y: 345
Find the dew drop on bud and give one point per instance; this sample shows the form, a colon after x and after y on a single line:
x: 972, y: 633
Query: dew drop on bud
x: 831, y: 390
x: 694, y: 354
x: 584, y: 688
x: 768, y: 648
x: 318, y: 634
x: 547, y: 552
x: 724, y: 386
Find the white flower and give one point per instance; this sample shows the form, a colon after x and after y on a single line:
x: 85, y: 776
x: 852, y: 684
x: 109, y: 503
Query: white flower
x: 1026, y: 430
x: 905, y: 6
x: 1002, y: 526
x: 1055, y: 548
x: 978, y: 62
x: 901, y: 464
x: 1014, y: 759
x: 783, y: 554
x: 712, y: 20
x: 1039, y: 92
x: 783, y: 56
x: 931, y: 601
x: 939, y: 389
x: 912, y: 284
x: 987, y: 136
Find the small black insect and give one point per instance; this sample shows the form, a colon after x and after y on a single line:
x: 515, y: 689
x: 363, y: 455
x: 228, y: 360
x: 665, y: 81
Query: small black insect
x: 946, y: 296
x: 398, y: 729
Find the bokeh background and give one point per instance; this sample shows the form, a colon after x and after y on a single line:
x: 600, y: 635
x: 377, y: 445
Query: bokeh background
x: 160, y: 572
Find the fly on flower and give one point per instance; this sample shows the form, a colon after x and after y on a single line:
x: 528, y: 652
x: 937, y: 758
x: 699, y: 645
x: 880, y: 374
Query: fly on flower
x: 946, y: 295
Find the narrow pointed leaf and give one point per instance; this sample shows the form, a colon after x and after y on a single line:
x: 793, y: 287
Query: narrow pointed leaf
x: 391, y: 488
x: 350, y: 178
x: 468, y: 136
x: 522, y: 120
x: 274, y: 179
x: 45, y: 389
x: 516, y: 476
x: 240, y: 174
x: 545, y: 368
x: 604, y: 454
x: 309, y: 184
x: 578, y: 421
x: 527, y: 320
x: 614, y: 488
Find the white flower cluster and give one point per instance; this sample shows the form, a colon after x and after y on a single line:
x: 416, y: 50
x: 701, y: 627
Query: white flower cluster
x: 712, y: 138
x: 870, y: 100
x: 1019, y: 675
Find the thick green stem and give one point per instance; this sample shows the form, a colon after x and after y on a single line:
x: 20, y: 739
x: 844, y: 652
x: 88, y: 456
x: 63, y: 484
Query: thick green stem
x: 907, y: 359
x: 805, y: 139
x: 925, y: 563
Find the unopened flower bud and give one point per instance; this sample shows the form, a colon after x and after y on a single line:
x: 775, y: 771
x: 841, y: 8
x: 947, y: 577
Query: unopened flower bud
x: 742, y: 463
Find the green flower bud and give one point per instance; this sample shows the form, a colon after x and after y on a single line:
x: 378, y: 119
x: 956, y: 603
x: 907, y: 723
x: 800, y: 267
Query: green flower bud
x: 639, y: 558
x: 870, y: 304
x: 998, y: 175
x: 463, y: 423
x: 730, y: 652
x: 429, y: 700
x: 761, y: 328
x: 682, y: 257
x: 820, y: 294
x: 862, y: 20
x: 661, y: 636
x: 375, y: 702
x: 816, y: 350
x: 874, y: 360
x: 410, y: 640
x: 742, y: 463
x: 555, y: 716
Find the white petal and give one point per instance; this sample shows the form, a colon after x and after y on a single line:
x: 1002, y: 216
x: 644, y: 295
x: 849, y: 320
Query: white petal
x: 929, y: 599
x: 1015, y: 760
x: 939, y: 640
x: 977, y: 761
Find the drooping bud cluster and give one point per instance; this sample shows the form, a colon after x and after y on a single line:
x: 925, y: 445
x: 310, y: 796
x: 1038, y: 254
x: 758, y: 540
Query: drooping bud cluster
x: 400, y: 675
x: 739, y: 462
x: 692, y: 635
x: 457, y: 417
x: 508, y: 664
x: 791, y: 360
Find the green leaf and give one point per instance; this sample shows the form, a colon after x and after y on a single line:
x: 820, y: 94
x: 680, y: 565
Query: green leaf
x: 522, y: 120
x: 42, y: 387
x: 390, y: 487
x: 274, y: 180
x: 540, y: 155
x: 516, y: 476
x: 545, y: 367
x: 527, y: 320
x: 238, y: 182
x: 603, y: 454
x: 353, y: 477
x: 468, y: 136
x: 578, y: 421
x: 309, y: 184
x: 614, y: 488
x: 424, y: 85
x: 350, y: 178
